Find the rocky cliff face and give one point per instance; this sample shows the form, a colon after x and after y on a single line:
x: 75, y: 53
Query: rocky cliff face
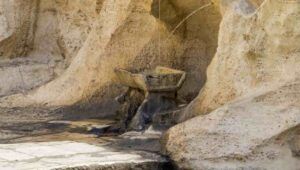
x: 252, y: 87
x: 69, y: 33
x: 257, y: 50
x: 17, y: 19
x: 62, y: 53
x: 46, y: 40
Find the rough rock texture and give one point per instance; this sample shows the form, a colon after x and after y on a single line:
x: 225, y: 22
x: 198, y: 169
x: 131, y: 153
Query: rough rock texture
x: 256, y: 50
x: 199, y: 40
x: 231, y: 136
x: 65, y: 31
x: 17, y: 27
x: 75, y: 20
x: 22, y: 75
x: 253, y: 86
x: 67, y: 51
x: 124, y: 37
x: 60, y: 29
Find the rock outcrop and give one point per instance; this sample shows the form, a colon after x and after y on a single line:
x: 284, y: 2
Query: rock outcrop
x: 71, y: 40
x: 200, y: 41
x: 244, y: 134
x: 63, y: 52
x: 251, y: 95
x: 54, y: 33
x: 256, y: 51
x: 17, y: 27
x: 127, y: 36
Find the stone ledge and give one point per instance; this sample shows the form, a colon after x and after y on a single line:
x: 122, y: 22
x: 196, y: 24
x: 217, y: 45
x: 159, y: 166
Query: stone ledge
x: 74, y: 155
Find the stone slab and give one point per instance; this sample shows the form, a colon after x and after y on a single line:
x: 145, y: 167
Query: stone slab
x: 10, y: 155
x: 67, y: 154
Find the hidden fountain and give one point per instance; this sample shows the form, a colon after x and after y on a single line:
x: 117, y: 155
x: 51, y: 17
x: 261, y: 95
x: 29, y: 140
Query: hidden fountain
x: 150, y: 96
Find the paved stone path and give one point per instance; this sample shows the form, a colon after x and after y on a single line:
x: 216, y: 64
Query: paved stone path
x: 67, y: 154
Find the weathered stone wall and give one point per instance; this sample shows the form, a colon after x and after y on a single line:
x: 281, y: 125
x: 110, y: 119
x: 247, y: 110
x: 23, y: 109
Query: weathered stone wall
x: 63, y: 28
x: 256, y: 52
x: 200, y: 39
x: 17, y: 27
x: 251, y: 96
x: 60, y: 28
x: 252, y: 83
x: 75, y: 20
x: 126, y: 36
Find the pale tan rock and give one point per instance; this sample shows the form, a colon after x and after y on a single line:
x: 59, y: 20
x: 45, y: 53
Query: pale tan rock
x: 251, y: 96
x: 60, y: 29
x: 200, y: 42
x: 75, y: 20
x: 125, y: 37
x: 254, y: 73
x: 257, y: 51
x: 17, y: 27
x: 62, y: 32
x: 229, y: 136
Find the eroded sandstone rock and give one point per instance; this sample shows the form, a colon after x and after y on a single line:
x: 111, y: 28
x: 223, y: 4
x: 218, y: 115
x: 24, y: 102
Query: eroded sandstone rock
x: 230, y: 135
x: 126, y: 36
x: 17, y: 27
x: 63, y: 28
x: 254, y: 52
x: 251, y: 95
x: 55, y: 32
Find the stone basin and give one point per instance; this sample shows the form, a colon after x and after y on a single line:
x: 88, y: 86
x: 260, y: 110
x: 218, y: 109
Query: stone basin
x: 159, y: 88
x: 161, y: 79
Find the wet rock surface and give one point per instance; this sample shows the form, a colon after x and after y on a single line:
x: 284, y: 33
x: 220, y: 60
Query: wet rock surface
x: 149, y: 95
x: 38, y: 134
x: 65, y: 53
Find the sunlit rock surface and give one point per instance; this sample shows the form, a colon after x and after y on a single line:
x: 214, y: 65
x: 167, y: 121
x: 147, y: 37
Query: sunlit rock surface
x: 74, y: 155
x: 72, y: 37
x: 251, y: 96
x: 58, y: 53
x: 256, y: 51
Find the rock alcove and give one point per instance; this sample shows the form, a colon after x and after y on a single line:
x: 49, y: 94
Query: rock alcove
x: 58, y: 81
